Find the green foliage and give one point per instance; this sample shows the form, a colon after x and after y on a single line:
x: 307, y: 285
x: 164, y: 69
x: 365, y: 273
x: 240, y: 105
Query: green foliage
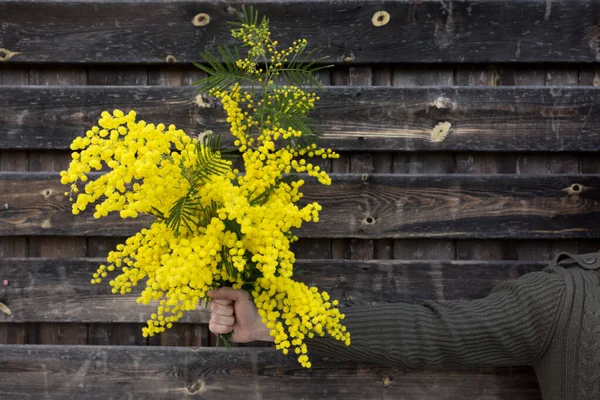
x: 221, y: 75
x: 188, y: 210
x: 298, y: 71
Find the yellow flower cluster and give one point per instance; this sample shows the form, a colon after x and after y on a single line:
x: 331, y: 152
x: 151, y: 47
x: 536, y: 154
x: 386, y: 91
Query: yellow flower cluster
x: 214, y: 227
x: 139, y: 155
x: 248, y: 235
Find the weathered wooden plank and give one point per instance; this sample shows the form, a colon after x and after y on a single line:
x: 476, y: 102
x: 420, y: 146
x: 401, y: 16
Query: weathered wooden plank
x: 363, y: 206
x: 59, y: 290
x: 424, y: 163
x: 13, y: 246
x: 340, y: 247
x: 349, y: 32
x: 352, y: 119
x: 383, y: 164
x: 108, y: 372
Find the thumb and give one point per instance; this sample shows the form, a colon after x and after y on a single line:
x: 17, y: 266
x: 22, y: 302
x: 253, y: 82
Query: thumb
x: 227, y: 293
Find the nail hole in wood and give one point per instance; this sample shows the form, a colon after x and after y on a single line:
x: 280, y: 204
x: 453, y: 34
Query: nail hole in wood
x: 369, y: 220
x: 380, y: 18
x: 3, y: 54
x: 170, y: 59
x: 47, y: 192
x: 201, y: 19
x: 576, y: 188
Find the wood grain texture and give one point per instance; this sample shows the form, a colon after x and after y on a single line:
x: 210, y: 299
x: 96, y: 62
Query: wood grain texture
x: 363, y: 206
x: 351, y: 118
x: 59, y: 290
x: 107, y: 372
x: 425, y: 162
x: 429, y: 31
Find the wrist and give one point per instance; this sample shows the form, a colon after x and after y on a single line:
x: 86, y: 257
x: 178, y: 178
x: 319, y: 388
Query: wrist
x: 262, y: 333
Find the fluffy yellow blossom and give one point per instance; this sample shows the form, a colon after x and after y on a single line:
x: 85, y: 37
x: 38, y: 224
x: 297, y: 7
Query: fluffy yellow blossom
x: 215, y: 226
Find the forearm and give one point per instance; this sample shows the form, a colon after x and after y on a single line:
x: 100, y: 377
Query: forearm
x: 509, y: 327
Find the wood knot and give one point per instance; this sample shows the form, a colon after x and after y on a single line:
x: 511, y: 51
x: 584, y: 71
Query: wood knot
x: 440, y: 131
x: 170, y: 59
x: 369, y: 220
x: 387, y: 381
x: 575, y: 188
x: 348, y: 58
x: 4, y: 308
x: 195, y: 387
x: 204, y: 134
x: 6, y: 54
x: 201, y: 19
x: 364, y: 177
x: 203, y: 101
x: 442, y: 103
x: 380, y: 18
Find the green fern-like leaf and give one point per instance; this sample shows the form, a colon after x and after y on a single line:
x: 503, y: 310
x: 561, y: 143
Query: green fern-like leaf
x: 299, y: 70
x: 223, y: 74
x: 188, y: 210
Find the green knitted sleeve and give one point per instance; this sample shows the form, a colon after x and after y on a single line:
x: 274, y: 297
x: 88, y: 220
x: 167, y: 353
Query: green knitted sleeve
x: 511, y: 326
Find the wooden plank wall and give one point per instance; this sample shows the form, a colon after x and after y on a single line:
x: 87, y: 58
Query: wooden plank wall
x: 411, y: 215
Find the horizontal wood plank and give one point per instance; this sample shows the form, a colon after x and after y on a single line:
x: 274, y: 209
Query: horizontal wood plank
x: 154, y: 31
x: 351, y: 119
x: 106, y: 372
x: 376, y: 206
x: 59, y: 290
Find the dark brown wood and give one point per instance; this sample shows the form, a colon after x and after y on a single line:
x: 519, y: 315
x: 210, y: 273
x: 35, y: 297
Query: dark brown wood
x: 17, y: 246
x: 101, y: 372
x: 361, y: 163
x: 484, y: 163
x: 50, y: 246
x: 351, y: 119
x: 545, y: 163
x: 340, y: 247
x: 424, y: 162
x: 363, y: 206
x: 427, y: 31
x: 383, y: 163
x: 589, y: 164
x: 59, y: 290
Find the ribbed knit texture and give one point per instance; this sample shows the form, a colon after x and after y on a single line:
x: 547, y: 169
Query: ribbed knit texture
x: 548, y: 319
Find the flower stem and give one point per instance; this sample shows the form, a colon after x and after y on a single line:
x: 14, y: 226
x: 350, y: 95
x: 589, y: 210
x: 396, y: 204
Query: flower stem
x: 226, y: 338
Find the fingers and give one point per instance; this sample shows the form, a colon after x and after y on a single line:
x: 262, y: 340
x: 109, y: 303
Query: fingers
x: 227, y: 293
x: 220, y: 323
x: 222, y: 320
x: 225, y: 310
x: 222, y: 329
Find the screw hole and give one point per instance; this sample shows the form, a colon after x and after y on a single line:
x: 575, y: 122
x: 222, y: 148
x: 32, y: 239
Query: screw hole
x: 369, y: 220
x: 576, y: 188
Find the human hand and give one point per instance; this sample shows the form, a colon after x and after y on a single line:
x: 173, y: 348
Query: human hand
x: 233, y: 310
